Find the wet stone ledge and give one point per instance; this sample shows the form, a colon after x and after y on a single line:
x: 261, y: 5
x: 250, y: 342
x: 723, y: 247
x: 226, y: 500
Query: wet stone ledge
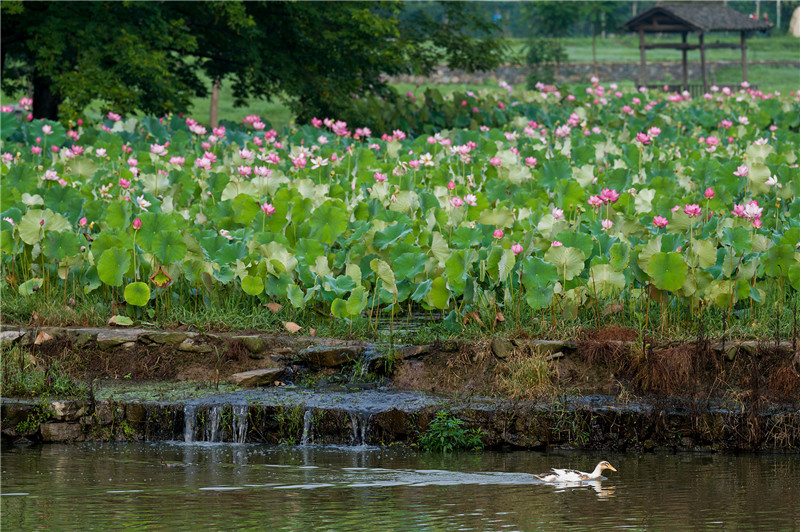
x: 383, y: 418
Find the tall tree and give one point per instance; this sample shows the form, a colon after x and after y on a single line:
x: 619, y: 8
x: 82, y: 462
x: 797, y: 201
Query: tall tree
x: 154, y: 56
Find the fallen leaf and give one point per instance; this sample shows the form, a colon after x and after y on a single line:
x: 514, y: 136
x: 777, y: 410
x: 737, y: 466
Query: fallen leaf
x: 613, y: 308
x: 292, y: 327
x: 476, y: 317
x: 274, y: 307
x: 122, y: 321
x: 312, y: 332
x: 500, y: 317
x: 41, y: 338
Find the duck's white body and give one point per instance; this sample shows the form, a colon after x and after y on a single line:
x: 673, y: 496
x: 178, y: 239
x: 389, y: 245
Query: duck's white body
x: 572, y: 475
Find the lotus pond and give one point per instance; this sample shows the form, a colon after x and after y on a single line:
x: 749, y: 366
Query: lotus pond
x: 550, y: 204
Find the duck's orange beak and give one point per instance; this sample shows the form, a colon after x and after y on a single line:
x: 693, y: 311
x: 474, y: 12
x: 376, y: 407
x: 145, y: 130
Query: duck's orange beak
x: 611, y: 467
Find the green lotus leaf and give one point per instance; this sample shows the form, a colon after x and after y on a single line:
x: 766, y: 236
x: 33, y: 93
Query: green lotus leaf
x: 220, y: 250
x: 537, y: 273
x: 573, y: 239
x: 439, y: 248
x: 357, y: 301
x: 30, y: 286
x: 112, y: 266
x: 390, y: 235
x: 295, y: 295
x: 61, y: 245
x: 778, y: 259
x: 501, y: 218
x: 329, y: 221
x: 339, y: 285
x: 339, y: 308
x: 385, y: 274
x: 705, y: 253
x: 117, y: 214
x: 738, y: 238
x: 137, y: 294
x: 438, y: 295
x: 245, y: 208
x: 6, y: 241
x: 619, y: 254
x: 568, y: 261
x: 422, y: 291
x: 794, y: 276
x: 605, y: 281
x: 169, y: 247
x: 36, y: 222
x: 153, y: 223
x: 570, y: 194
x: 252, y: 285
x: 667, y: 270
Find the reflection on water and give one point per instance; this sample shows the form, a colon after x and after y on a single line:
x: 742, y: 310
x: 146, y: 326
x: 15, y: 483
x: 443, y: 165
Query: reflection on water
x: 229, y: 486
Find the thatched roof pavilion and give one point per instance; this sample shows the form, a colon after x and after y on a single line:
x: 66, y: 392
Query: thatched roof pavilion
x: 697, y: 18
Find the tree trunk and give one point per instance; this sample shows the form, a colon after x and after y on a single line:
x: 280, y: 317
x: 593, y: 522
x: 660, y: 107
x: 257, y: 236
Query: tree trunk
x: 594, y: 49
x: 45, y: 100
x: 213, y: 113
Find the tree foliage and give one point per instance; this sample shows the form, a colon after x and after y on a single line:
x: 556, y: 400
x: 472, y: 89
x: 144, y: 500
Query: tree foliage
x: 154, y: 56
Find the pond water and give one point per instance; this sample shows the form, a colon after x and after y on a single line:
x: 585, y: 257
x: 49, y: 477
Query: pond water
x: 238, y: 486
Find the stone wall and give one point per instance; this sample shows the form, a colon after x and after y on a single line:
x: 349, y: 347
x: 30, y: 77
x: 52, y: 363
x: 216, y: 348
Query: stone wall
x: 657, y: 72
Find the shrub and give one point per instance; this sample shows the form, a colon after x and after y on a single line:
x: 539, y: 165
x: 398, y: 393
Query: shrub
x: 446, y: 433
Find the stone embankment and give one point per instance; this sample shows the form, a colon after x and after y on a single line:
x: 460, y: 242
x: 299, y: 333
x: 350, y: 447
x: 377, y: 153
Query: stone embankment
x: 595, y: 401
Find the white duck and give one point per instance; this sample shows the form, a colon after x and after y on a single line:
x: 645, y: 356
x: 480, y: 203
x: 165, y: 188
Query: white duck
x: 571, y: 475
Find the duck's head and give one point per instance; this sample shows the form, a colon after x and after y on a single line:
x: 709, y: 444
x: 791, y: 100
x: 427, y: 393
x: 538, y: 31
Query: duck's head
x: 605, y: 465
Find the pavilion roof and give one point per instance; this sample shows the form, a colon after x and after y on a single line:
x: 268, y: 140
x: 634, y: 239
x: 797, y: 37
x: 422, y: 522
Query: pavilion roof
x: 695, y: 17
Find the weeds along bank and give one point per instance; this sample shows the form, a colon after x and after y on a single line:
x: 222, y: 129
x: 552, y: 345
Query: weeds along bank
x: 545, y: 214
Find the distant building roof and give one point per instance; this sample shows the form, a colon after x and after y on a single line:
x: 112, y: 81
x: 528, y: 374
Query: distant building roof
x: 694, y: 17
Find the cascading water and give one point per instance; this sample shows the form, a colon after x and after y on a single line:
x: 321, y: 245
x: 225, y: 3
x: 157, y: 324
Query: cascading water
x: 189, y: 413
x: 308, y: 429
x: 239, y: 423
x: 360, y: 422
x: 213, y: 417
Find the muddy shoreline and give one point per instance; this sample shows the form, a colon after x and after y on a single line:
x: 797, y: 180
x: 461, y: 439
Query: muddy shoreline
x: 606, y: 390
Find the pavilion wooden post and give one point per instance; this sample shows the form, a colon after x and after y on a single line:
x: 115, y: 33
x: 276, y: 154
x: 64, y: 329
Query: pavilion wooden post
x: 703, y: 62
x: 744, y: 57
x: 643, y: 58
x: 684, y: 52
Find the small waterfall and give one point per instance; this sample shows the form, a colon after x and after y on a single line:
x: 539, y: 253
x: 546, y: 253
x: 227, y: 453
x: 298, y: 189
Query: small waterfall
x: 211, y: 429
x: 308, y: 429
x: 189, y: 422
x: 360, y: 423
x: 239, y: 423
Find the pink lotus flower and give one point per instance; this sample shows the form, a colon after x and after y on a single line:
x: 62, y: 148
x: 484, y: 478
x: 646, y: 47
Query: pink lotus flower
x: 517, y: 249
x: 263, y: 171
x: 451, y: 185
x: 556, y: 244
x: 379, y: 177
x: 660, y: 221
x: 245, y: 171
x: 177, y: 160
x: 609, y: 196
x: 530, y: 161
x: 471, y: 199
x: 643, y: 138
x: 692, y: 210
x: 82, y: 222
x: 742, y: 171
x: 498, y: 233
x: 709, y: 194
x: 47, y: 129
x: 124, y: 183
x: 495, y: 161
x: 557, y: 213
x: 268, y: 209
x: 137, y: 224
x: 456, y: 202
x: 203, y: 163
x: 114, y: 116
x: 36, y: 150
x: 606, y: 224
x: 595, y: 201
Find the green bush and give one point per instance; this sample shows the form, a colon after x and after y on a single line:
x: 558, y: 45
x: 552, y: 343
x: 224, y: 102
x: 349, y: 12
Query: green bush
x: 446, y: 433
x: 542, y: 59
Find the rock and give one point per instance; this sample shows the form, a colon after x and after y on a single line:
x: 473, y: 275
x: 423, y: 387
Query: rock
x: 331, y: 356
x: 192, y: 345
x: 9, y: 337
x: 501, y: 348
x: 546, y: 347
x: 450, y: 345
x: 256, y: 377
x: 61, y: 432
x: 554, y: 356
x: 13, y: 413
x: 108, y: 338
x: 168, y: 338
x: 68, y: 410
x: 135, y: 412
x: 281, y: 354
x: 411, y: 351
x: 82, y: 336
x: 106, y: 412
x: 254, y: 343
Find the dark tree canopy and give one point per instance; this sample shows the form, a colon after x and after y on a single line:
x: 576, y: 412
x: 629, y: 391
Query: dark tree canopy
x: 154, y: 56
